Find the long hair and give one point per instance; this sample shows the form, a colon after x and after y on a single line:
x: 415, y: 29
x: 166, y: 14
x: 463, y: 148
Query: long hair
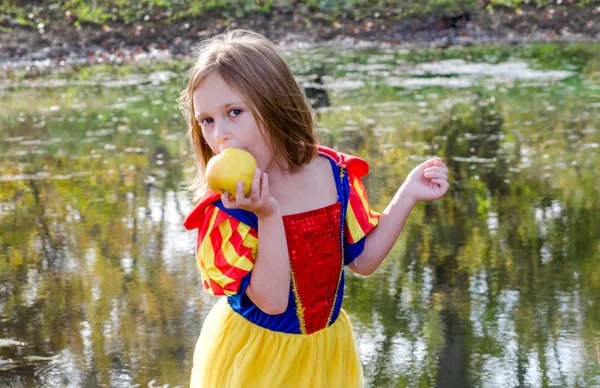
x: 250, y: 63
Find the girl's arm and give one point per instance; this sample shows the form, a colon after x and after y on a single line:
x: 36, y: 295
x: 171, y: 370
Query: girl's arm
x: 381, y: 239
x: 426, y: 182
x: 269, y: 286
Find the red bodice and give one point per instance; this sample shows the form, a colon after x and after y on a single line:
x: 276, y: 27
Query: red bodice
x: 316, y: 262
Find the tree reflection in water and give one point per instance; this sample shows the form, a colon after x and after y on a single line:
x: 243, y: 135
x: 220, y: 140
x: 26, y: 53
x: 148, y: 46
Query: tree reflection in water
x: 496, y: 284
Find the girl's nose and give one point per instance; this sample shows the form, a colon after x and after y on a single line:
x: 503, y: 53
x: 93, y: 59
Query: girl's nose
x: 222, y: 132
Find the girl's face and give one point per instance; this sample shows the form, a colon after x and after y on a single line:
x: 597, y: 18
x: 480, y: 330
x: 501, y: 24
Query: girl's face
x: 227, y: 121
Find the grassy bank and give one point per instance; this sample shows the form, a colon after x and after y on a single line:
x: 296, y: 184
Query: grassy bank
x: 41, y: 14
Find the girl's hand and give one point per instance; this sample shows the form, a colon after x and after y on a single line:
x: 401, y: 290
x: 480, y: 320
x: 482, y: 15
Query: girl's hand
x: 427, y: 181
x: 258, y: 202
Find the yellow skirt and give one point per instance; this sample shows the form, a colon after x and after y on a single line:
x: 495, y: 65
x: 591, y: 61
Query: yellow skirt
x: 233, y: 352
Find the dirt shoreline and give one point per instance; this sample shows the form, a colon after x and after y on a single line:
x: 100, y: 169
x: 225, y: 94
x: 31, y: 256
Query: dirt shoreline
x: 57, y: 46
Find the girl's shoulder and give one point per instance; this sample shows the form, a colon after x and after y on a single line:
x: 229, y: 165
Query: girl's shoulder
x: 196, y: 217
x: 355, y: 165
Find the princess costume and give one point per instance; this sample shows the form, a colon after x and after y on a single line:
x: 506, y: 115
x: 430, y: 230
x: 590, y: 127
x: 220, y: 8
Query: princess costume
x: 309, y: 345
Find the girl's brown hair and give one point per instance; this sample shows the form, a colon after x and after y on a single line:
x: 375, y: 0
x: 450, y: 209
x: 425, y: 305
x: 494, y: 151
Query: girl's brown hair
x: 251, y: 64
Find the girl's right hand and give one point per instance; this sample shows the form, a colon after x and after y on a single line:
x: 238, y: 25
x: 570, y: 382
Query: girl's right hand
x: 259, y: 202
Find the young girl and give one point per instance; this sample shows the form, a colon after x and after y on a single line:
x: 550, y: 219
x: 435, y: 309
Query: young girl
x: 278, y: 255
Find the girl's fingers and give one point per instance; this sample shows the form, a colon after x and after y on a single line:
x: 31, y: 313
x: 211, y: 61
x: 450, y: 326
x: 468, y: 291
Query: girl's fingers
x: 265, y: 186
x: 227, y: 201
x: 442, y: 183
x: 428, y: 163
x: 255, y: 190
x: 225, y: 198
x: 440, y: 164
x: 239, y: 193
x: 436, y: 175
x: 436, y: 169
x: 435, y: 162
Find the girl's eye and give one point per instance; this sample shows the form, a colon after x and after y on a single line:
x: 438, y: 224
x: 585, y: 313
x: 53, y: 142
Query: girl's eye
x: 235, y: 112
x: 206, y: 121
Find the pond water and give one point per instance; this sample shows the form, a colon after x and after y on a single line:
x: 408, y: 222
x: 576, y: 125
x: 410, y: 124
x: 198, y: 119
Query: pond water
x: 496, y: 285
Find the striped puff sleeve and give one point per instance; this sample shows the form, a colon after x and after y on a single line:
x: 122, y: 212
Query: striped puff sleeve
x: 226, y: 251
x: 360, y: 218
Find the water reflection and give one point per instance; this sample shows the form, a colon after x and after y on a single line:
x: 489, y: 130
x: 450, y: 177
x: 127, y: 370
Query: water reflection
x: 496, y: 285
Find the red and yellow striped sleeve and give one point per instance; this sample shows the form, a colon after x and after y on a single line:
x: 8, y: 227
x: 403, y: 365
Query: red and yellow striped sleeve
x: 226, y: 251
x: 360, y: 219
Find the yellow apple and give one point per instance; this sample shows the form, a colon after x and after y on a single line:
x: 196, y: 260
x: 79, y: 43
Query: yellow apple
x: 232, y: 165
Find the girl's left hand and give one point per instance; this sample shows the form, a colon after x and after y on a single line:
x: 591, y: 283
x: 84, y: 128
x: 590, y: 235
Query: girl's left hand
x: 259, y: 201
x: 427, y: 181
